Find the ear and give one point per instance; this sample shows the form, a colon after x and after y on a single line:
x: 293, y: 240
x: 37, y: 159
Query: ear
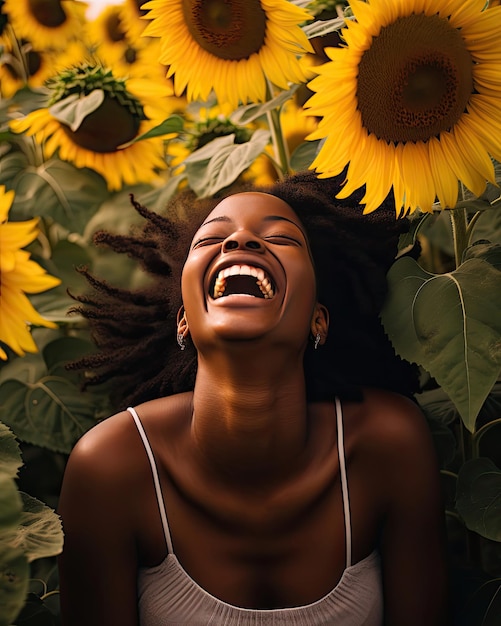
x: 320, y: 322
x: 182, y: 322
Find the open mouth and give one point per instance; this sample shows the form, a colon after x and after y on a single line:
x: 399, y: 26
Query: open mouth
x: 242, y: 280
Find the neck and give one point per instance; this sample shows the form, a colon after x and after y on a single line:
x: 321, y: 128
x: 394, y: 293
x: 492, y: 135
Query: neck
x: 250, y: 418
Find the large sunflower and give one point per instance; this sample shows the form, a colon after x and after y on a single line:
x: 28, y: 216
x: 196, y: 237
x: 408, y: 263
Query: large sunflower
x: 48, y: 24
x: 231, y: 46
x: 104, y: 141
x: 19, y: 275
x: 413, y: 101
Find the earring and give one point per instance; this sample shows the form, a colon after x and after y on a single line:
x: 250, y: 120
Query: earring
x: 317, y: 340
x: 181, y: 341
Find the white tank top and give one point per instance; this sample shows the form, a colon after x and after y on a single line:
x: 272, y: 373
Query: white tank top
x: 168, y: 596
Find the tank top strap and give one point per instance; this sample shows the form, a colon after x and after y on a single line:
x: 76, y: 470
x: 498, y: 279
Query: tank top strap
x: 344, y: 479
x: 156, y: 479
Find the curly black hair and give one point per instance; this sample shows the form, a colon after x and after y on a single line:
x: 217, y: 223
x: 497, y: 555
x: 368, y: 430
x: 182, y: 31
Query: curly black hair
x: 135, y: 330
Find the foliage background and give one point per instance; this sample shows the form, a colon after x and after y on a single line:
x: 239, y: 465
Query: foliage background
x: 209, y: 147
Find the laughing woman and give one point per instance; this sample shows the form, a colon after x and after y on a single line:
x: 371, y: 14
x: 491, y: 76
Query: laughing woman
x: 272, y: 467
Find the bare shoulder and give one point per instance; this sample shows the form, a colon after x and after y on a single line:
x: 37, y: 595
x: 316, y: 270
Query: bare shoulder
x: 387, y: 419
x: 111, y: 453
x: 390, y: 439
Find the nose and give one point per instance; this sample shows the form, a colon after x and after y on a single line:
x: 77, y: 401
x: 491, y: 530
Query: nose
x: 242, y: 240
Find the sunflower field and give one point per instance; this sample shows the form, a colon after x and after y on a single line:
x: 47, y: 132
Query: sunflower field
x: 151, y: 98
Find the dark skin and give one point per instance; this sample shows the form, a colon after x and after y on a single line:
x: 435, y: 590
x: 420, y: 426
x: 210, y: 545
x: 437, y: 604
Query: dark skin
x: 249, y: 470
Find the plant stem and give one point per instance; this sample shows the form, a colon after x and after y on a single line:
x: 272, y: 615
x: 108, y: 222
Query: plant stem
x: 460, y: 235
x: 277, y: 138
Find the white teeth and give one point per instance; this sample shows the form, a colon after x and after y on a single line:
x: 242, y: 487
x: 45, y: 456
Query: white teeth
x: 261, y: 280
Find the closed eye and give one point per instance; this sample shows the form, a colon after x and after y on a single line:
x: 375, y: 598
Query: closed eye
x: 207, y: 241
x: 282, y: 240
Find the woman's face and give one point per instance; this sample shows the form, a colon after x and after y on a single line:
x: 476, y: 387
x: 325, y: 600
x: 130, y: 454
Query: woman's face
x: 249, y: 275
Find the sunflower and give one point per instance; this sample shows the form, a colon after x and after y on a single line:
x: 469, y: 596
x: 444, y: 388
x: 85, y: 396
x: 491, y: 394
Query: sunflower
x: 104, y: 141
x: 36, y: 68
x: 48, y: 24
x: 145, y: 78
x: 131, y: 17
x: 231, y: 46
x: 412, y: 102
x: 106, y: 34
x: 19, y: 275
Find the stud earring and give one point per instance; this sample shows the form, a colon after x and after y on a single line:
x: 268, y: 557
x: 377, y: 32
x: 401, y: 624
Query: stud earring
x: 317, y: 340
x: 181, y: 341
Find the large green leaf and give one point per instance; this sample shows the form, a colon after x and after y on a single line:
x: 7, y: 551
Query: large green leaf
x: 220, y: 162
x: 14, y: 577
x: 52, y: 413
x: 10, y: 453
x: 39, y: 533
x: 450, y: 325
x: 303, y: 155
x: 58, y: 190
x: 478, y: 497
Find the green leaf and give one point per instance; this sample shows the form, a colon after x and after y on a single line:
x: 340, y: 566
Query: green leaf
x: 450, y: 325
x: 11, y: 165
x: 173, y: 124
x: 303, y: 155
x: 40, y: 532
x: 487, y: 441
x: 478, y: 497
x: 61, y: 351
x: 490, y: 252
x: 58, y: 190
x: 52, y: 413
x: 208, y: 175
x: 158, y: 197
x: 213, y: 148
x: 488, y: 225
x: 10, y: 453
x: 75, y: 108
x: 14, y: 576
x: 10, y: 506
x: 250, y: 112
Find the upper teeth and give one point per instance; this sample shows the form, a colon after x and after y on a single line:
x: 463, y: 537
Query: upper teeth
x: 256, y: 272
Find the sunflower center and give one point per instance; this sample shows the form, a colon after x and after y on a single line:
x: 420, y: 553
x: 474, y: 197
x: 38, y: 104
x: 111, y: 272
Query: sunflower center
x: 114, y: 28
x: 110, y: 126
x: 415, y: 80
x: 228, y: 29
x: 48, y: 13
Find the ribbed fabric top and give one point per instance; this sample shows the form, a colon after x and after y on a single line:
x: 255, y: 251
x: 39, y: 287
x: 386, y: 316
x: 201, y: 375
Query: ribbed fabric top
x: 168, y: 596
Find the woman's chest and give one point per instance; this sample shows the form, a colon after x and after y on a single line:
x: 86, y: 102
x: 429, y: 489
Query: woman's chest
x: 262, y: 559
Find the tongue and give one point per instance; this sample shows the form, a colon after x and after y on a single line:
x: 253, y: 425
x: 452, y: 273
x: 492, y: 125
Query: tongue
x: 242, y: 285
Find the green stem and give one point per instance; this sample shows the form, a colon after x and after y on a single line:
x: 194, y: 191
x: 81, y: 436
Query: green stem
x: 472, y: 223
x: 19, y: 55
x: 277, y: 138
x: 460, y: 235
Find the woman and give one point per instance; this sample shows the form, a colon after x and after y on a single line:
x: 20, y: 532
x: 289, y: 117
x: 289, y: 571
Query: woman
x: 268, y: 472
